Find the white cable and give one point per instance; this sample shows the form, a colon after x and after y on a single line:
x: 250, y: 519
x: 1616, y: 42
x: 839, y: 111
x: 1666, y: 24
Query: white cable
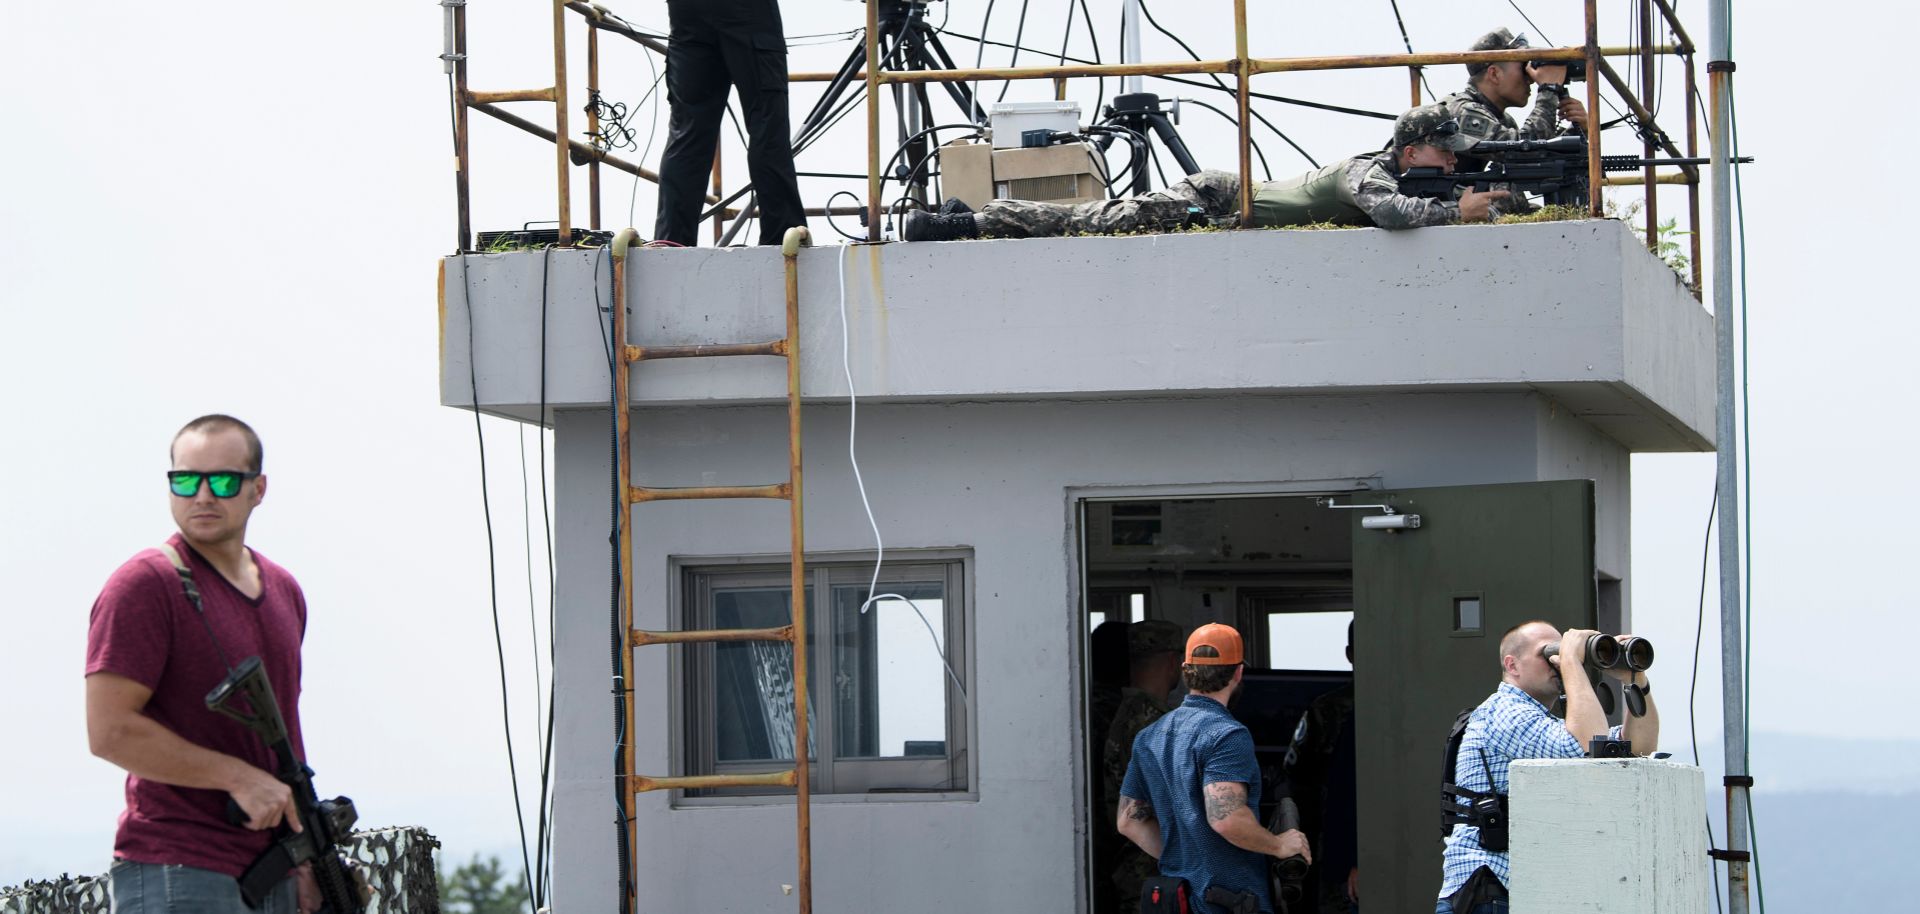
x: 880, y: 546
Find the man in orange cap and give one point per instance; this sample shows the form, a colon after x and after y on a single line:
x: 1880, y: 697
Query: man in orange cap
x: 1190, y: 792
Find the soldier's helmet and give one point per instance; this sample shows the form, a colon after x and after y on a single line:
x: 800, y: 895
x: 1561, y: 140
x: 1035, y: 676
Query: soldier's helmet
x: 1433, y: 125
x: 1496, y: 40
x: 1154, y: 636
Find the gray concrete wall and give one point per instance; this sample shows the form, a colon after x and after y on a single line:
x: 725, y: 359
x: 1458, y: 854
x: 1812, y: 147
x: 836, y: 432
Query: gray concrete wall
x: 995, y: 478
x: 1573, y: 309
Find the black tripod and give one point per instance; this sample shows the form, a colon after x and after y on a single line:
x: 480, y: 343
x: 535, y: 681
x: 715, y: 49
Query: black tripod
x: 906, y: 42
x: 1140, y: 112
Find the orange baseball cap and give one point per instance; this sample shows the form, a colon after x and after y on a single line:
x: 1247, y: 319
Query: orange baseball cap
x: 1224, y: 641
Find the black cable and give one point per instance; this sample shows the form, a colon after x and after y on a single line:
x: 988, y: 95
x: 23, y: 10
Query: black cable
x: 1693, y: 685
x: 829, y: 215
x: 1144, y: 11
x: 1265, y: 96
x: 615, y: 503
x: 1093, y: 37
x: 1255, y: 144
x: 493, y: 579
x: 1402, y: 23
x: 1019, y: 32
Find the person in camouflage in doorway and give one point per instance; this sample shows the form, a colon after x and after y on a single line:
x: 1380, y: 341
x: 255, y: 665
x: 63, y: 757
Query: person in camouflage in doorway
x: 1361, y: 191
x: 1321, y: 778
x: 1154, y: 648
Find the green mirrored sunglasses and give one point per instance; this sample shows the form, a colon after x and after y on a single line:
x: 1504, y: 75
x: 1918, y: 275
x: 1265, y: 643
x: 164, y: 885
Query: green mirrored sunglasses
x: 186, y: 483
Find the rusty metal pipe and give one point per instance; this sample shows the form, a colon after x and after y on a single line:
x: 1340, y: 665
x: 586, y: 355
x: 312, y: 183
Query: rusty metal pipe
x: 623, y: 437
x: 1595, y: 188
x: 1375, y: 61
x: 874, y: 77
x: 462, y: 153
x: 1180, y: 68
x: 1639, y: 111
x: 593, y: 127
x: 560, y: 159
x: 600, y: 22
x: 790, y: 246
x: 1685, y: 47
x: 1413, y: 77
x: 581, y: 152
x: 1242, y: 68
x: 705, y: 350
x: 1641, y: 181
x: 510, y: 95
x: 642, y: 783
x: 639, y: 637
x: 640, y: 494
x: 1647, y: 145
x: 1693, y: 188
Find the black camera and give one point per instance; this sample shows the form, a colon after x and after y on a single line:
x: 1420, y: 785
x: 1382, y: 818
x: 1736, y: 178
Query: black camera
x: 1289, y: 874
x: 1608, y: 747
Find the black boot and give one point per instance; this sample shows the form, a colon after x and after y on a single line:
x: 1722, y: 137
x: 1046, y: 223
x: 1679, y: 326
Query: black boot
x: 920, y: 225
x: 954, y: 205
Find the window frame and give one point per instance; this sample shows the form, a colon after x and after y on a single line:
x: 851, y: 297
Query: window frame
x: 695, y: 727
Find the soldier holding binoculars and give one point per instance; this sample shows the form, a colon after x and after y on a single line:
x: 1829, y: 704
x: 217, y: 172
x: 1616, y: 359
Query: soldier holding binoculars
x: 1515, y: 723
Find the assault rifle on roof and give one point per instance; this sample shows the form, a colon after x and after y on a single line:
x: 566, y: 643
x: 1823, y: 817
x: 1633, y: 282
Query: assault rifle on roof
x: 246, y: 696
x: 1555, y: 169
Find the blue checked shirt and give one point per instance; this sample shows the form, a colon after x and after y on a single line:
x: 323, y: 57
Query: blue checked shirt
x: 1509, y: 725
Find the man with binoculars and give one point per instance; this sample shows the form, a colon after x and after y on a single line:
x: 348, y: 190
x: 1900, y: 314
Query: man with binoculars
x: 1515, y: 723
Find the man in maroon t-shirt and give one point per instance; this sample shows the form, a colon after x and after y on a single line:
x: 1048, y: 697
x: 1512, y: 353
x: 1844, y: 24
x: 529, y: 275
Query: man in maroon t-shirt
x: 151, y: 662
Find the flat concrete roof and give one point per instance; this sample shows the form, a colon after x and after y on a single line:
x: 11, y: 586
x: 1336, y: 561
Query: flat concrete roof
x: 1576, y: 310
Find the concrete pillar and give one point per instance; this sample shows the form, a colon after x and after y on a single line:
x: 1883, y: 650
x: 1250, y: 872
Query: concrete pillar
x: 1609, y: 836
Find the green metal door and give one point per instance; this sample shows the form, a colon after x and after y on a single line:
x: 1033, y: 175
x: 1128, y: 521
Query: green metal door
x: 1430, y: 605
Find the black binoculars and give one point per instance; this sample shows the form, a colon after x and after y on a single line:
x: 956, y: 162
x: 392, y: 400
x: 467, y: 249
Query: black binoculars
x: 1576, y: 69
x: 1606, y: 652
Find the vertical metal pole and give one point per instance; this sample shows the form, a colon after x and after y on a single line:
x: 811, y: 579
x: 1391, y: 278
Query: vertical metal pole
x: 1130, y: 48
x: 560, y: 119
x: 623, y: 458
x: 1244, y: 67
x: 461, y: 161
x: 1647, y: 145
x: 1595, y: 187
x: 1732, y: 680
x: 1693, y: 186
x: 593, y: 121
x: 720, y: 216
x: 803, y: 780
x: 1413, y: 77
x: 874, y: 64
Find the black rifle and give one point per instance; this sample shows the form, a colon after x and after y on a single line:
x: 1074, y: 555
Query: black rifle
x: 1555, y: 168
x: 246, y: 696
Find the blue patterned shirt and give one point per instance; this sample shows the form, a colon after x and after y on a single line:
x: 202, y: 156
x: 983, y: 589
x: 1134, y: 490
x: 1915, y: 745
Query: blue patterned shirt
x: 1509, y: 725
x: 1195, y: 744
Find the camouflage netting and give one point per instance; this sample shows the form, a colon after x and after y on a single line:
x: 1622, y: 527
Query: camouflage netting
x: 398, y: 861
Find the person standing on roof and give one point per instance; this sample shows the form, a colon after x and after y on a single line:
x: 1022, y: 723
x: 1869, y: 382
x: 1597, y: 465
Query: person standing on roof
x: 1153, y: 651
x: 714, y: 45
x: 1514, y: 723
x: 1190, y: 792
x: 152, y: 659
x: 1360, y: 191
x: 1492, y: 88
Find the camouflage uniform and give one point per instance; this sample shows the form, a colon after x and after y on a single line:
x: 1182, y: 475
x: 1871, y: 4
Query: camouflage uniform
x: 1138, y: 709
x: 1308, y: 766
x: 1213, y: 195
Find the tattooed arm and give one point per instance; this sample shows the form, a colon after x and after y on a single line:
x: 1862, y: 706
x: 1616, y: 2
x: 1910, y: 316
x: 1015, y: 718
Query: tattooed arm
x: 1227, y: 812
x: 1138, y: 824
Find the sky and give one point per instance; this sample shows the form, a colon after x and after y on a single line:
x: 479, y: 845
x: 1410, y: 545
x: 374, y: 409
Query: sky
x: 214, y: 208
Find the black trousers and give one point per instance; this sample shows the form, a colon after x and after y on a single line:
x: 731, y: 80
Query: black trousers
x: 715, y: 46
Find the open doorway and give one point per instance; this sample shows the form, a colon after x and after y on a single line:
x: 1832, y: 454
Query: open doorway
x: 1277, y: 568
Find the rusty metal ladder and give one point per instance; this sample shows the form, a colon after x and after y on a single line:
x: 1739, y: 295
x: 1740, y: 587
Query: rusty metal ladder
x: 794, y: 633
